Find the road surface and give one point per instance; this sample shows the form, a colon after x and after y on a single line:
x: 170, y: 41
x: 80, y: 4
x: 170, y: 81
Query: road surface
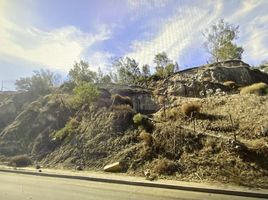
x: 27, y: 187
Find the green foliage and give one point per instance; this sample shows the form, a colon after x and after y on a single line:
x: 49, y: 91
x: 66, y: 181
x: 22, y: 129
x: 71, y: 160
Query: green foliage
x: 127, y: 70
x: 137, y: 119
x: 257, y: 88
x: 219, y: 41
x: 85, y: 93
x: 164, y: 66
x: 68, y: 130
x: 103, y: 78
x: 146, y: 70
x: 81, y: 73
x: 20, y: 161
x: 41, y: 83
x: 143, y: 122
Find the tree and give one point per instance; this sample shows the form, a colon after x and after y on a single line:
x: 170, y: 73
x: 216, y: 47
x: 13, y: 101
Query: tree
x: 220, y: 41
x: 85, y: 93
x: 40, y: 83
x: 176, y: 67
x: 128, y: 70
x: 101, y: 78
x: 146, y: 70
x: 164, y: 66
x: 81, y: 72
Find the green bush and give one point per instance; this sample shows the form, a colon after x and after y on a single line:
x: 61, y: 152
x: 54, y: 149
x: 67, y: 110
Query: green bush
x: 138, y: 118
x: 257, y: 88
x: 68, y: 130
x: 84, y: 93
x: 20, y: 161
x: 143, y: 122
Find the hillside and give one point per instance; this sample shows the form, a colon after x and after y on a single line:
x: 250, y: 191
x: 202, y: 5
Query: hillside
x: 225, y: 141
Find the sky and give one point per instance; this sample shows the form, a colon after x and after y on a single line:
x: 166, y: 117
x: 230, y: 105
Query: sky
x: 53, y: 34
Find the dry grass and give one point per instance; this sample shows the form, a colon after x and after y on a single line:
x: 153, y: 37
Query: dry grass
x: 207, y: 79
x: 230, y: 84
x: 164, y: 166
x: 121, y: 100
x: 172, y: 113
x: 122, y: 108
x: 146, y: 137
x: 257, y: 88
x: 190, y: 108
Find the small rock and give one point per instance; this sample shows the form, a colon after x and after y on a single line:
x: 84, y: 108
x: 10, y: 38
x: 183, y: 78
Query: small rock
x: 218, y: 90
x: 79, y: 168
x: 37, y: 167
x: 39, y: 170
x: 114, y: 167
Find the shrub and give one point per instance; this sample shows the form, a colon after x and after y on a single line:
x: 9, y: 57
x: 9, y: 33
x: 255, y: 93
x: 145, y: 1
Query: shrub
x: 20, y: 161
x: 122, y: 100
x: 143, y: 122
x: 190, y: 108
x: 230, y: 84
x: 257, y: 88
x: 146, y: 137
x: 138, y: 118
x: 68, y: 130
x: 165, y: 167
x: 84, y: 93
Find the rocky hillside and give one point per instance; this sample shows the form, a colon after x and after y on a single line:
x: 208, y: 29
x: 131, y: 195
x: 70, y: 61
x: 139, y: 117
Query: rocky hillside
x: 224, y: 140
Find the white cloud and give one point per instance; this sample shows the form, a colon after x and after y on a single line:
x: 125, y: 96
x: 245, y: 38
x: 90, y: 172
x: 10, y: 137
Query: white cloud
x: 177, y: 33
x: 149, y: 4
x: 99, y: 59
x: 57, y: 48
x: 255, y: 44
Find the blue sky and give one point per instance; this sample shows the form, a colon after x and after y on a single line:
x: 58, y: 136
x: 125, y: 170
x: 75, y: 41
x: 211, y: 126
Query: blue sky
x: 53, y: 34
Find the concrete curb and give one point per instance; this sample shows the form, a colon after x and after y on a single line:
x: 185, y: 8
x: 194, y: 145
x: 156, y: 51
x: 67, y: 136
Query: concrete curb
x: 145, y: 184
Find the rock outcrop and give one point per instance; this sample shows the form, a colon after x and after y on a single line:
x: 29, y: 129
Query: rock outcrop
x: 205, y: 80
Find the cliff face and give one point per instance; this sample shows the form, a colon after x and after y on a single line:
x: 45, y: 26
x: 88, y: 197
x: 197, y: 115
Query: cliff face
x: 143, y: 100
x: 204, y: 80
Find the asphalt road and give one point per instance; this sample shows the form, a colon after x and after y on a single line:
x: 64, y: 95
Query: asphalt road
x: 22, y: 187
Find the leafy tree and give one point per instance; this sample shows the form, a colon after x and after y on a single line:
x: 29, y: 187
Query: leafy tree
x: 42, y: 82
x: 101, y: 78
x: 127, y: 70
x: 220, y: 41
x: 176, y: 67
x: 164, y: 66
x: 81, y: 72
x: 146, y: 70
x: 85, y: 93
